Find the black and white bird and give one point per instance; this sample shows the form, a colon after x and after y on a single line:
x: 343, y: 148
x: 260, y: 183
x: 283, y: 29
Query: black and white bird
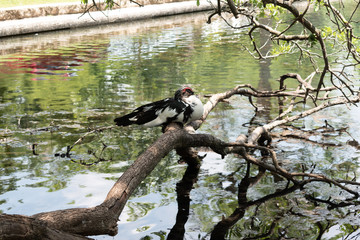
x: 183, y: 108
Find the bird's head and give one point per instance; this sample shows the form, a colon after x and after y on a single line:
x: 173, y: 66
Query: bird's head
x: 183, y: 93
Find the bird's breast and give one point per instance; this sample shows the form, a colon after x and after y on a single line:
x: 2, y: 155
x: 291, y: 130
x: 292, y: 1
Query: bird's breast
x: 197, y: 107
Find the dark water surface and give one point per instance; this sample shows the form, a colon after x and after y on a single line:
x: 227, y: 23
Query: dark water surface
x: 54, y: 87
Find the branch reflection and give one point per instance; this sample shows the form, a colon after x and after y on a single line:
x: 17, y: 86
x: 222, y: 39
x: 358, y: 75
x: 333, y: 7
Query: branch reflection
x: 183, y: 188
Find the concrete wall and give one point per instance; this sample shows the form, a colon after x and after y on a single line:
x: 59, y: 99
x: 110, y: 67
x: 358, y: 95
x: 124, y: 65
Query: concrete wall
x: 68, y: 8
x: 36, y: 19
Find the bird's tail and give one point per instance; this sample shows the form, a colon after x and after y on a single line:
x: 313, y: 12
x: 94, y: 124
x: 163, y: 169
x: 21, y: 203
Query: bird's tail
x: 124, y: 120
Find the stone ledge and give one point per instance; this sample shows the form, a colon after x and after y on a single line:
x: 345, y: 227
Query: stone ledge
x: 68, y: 21
x: 55, y: 9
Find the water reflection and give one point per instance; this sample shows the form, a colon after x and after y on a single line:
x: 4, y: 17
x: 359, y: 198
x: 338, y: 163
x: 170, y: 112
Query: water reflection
x: 63, y: 62
x: 56, y: 86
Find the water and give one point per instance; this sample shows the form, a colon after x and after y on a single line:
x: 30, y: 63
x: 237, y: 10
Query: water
x: 54, y: 87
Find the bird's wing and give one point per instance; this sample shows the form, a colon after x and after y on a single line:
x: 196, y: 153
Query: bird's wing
x: 153, y: 114
x: 160, y: 112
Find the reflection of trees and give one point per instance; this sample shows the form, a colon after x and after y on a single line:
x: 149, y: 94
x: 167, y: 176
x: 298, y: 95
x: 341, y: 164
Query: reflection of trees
x: 183, y: 188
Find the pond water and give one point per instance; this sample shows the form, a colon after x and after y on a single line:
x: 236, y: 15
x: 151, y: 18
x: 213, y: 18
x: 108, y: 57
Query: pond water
x: 56, y: 86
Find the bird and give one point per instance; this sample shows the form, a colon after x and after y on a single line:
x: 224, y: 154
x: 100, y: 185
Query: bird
x: 183, y: 108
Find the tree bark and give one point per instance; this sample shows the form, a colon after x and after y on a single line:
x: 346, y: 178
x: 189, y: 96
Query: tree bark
x: 17, y: 227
